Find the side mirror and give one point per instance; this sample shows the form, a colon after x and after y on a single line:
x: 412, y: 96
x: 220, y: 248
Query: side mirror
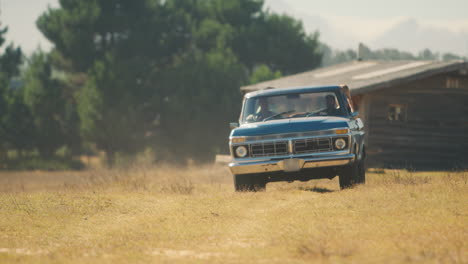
x: 355, y: 114
x: 233, y: 125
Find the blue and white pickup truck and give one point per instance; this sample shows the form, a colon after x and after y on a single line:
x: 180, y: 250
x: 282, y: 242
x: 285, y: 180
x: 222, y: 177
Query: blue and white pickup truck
x: 297, y: 134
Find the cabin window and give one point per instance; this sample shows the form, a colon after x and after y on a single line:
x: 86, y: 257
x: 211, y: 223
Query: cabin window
x: 397, y: 112
x: 452, y: 83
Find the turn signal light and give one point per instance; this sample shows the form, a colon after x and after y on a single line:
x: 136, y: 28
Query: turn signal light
x: 238, y: 140
x: 341, y: 131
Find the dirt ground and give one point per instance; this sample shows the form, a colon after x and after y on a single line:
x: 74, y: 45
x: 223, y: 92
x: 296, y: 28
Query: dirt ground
x: 193, y: 215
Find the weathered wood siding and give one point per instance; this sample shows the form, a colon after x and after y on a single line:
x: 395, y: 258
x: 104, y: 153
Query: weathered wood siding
x: 435, y: 133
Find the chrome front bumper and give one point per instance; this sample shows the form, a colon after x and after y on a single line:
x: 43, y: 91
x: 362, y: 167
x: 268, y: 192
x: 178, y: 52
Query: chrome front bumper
x: 284, y: 164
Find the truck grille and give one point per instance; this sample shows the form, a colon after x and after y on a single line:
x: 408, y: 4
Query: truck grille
x: 269, y: 149
x: 312, y: 145
x: 299, y: 146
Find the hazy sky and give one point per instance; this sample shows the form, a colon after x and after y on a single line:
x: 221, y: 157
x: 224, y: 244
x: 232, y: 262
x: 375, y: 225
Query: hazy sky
x: 410, y: 25
x: 20, y: 17
x: 342, y: 23
x: 383, y: 9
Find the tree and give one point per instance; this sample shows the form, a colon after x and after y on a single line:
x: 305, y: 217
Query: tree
x: 278, y: 41
x: 112, y: 113
x: 194, y: 114
x: 152, y: 72
x: 85, y: 31
x: 450, y: 56
x: 3, y: 110
x: 332, y: 57
x: 229, y: 40
x: 116, y: 46
x: 43, y: 97
x: 19, y: 130
x: 10, y: 61
x: 427, y: 54
x: 263, y: 73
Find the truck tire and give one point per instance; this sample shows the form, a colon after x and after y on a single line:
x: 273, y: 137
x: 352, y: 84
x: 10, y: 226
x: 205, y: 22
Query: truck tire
x: 250, y: 183
x: 361, y: 179
x: 353, y: 174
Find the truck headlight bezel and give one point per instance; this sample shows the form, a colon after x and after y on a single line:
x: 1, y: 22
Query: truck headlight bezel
x: 340, y: 143
x: 241, y: 151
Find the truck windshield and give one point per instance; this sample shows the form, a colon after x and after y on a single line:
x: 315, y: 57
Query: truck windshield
x: 265, y: 108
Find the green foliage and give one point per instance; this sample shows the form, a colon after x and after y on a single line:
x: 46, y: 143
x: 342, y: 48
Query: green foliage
x: 286, y: 47
x: 263, y: 73
x: 3, y: 112
x: 112, y: 111
x: 2, y: 32
x: 167, y: 73
x: 18, y: 127
x: 427, y: 54
x: 53, y: 112
x: 42, y: 95
x: 278, y: 41
x: 77, y: 42
x: 10, y: 61
x: 126, y: 75
x: 451, y: 56
x: 12, y: 112
x: 123, y: 43
x: 204, y: 95
x: 84, y: 32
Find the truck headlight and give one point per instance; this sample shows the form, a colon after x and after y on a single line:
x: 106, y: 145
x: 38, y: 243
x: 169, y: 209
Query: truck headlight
x: 241, y: 151
x: 340, y: 143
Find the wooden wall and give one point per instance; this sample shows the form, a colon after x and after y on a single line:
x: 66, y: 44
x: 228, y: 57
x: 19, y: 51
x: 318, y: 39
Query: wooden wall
x: 435, y: 132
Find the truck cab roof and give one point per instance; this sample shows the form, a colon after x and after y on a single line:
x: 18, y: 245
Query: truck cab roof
x: 294, y: 90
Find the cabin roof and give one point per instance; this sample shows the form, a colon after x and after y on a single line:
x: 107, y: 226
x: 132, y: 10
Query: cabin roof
x: 363, y: 76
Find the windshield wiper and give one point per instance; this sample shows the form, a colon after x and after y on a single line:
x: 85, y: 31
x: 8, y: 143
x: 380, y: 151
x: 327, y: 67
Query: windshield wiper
x: 280, y: 114
x: 309, y: 114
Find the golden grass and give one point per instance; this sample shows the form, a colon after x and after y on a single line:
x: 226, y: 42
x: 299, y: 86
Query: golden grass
x: 192, y: 215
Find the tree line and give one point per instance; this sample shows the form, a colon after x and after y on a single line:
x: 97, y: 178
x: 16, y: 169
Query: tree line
x: 125, y: 76
x: 332, y: 56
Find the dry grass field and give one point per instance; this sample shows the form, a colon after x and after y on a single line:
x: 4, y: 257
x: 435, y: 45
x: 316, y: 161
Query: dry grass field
x: 192, y: 215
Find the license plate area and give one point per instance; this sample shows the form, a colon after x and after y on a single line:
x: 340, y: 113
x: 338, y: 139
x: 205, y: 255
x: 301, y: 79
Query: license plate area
x: 291, y: 165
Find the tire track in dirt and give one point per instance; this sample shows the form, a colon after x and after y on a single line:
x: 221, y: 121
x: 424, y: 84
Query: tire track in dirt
x: 248, y: 232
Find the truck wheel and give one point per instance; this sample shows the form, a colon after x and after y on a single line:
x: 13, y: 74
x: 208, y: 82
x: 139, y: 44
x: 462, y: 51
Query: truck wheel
x: 362, y: 173
x: 362, y: 168
x: 352, y: 175
x: 250, y: 183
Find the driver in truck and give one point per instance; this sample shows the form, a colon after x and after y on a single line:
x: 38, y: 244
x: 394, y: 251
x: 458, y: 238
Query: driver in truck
x: 264, y: 109
x: 263, y: 112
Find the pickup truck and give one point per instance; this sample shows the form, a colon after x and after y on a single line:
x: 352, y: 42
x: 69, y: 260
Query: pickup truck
x: 300, y: 134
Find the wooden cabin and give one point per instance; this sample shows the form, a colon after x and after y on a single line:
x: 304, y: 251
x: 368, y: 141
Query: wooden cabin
x: 415, y: 112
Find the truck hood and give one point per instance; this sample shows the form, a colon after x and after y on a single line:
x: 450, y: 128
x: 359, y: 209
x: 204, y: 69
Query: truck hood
x: 291, y: 125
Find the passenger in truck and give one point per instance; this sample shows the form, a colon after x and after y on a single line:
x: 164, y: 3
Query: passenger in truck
x: 331, y: 106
